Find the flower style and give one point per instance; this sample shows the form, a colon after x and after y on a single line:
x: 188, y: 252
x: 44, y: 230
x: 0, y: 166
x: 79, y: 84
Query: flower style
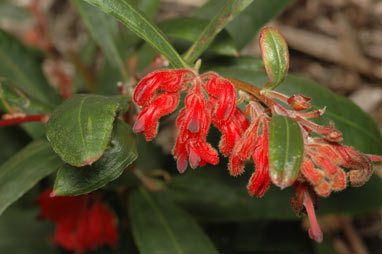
x: 83, y: 222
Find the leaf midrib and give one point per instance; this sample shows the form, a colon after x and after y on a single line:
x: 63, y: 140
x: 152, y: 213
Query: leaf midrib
x: 162, y: 219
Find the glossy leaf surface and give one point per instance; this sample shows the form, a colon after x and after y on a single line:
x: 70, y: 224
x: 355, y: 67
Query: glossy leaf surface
x: 23, y: 170
x: 226, y: 14
x: 286, y: 149
x: 121, y: 152
x: 80, y: 128
x: 159, y: 226
x: 139, y: 24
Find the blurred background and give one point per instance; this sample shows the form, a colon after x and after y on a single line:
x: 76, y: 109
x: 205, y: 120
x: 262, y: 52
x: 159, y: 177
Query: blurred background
x: 337, y: 43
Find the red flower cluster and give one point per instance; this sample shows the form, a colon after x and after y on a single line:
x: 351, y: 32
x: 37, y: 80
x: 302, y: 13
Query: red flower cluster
x: 322, y: 164
x: 210, y: 99
x: 83, y: 222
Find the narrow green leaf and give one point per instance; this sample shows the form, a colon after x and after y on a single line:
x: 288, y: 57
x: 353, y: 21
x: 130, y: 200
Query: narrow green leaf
x: 104, y: 30
x: 139, y: 24
x: 225, y: 15
x: 190, y: 28
x: 286, y: 149
x: 23, y: 70
x: 357, y: 127
x: 80, y: 128
x: 160, y: 226
x: 275, y: 54
x: 250, y: 21
x: 122, y: 152
x: 148, y: 7
x: 23, y: 170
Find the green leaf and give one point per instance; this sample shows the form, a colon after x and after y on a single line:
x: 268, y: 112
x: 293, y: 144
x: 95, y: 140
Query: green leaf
x: 213, y: 196
x: 189, y: 29
x: 286, y: 149
x: 275, y: 55
x: 160, y: 226
x: 104, y: 30
x: 357, y: 127
x: 23, y: 70
x: 80, y: 128
x: 122, y: 152
x: 139, y: 24
x: 14, y: 138
x: 225, y: 15
x: 148, y: 7
x: 23, y: 170
x: 249, y: 22
x: 22, y: 233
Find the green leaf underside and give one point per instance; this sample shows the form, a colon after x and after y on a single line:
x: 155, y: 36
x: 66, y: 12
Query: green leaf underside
x: 80, y: 128
x: 214, y: 196
x: 226, y: 14
x: 274, y: 51
x: 122, y: 152
x: 139, y: 24
x: 189, y: 29
x: 23, y: 70
x: 23, y: 170
x: 358, y: 129
x: 249, y: 22
x: 160, y: 226
x: 104, y: 30
x: 286, y: 149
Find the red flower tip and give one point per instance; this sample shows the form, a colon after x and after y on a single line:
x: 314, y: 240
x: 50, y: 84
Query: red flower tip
x: 83, y: 222
x: 299, y: 102
x: 224, y: 92
x: 260, y: 180
x: 147, y: 121
x: 167, y: 80
x: 303, y: 202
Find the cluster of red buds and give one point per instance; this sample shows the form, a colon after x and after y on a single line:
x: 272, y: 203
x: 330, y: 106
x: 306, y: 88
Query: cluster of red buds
x: 159, y: 95
x: 212, y: 99
x: 83, y: 222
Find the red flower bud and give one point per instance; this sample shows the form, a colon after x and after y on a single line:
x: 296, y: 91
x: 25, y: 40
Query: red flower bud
x: 167, y: 80
x: 147, y: 121
x: 299, y: 102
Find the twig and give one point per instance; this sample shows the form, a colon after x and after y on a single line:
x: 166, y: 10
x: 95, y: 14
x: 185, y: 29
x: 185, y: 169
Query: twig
x: 23, y: 119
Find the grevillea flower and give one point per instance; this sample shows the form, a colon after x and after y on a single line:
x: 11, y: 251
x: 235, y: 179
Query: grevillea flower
x: 305, y: 202
x: 210, y: 99
x: 322, y: 166
x: 83, y: 222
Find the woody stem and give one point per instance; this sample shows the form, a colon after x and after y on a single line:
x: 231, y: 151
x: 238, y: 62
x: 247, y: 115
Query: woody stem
x: 23, y: 119
x: 373, y: 157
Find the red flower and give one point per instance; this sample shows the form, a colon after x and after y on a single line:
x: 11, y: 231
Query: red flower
x: 305, y: 202
x: 195, y: 118
x: 83, y: 222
